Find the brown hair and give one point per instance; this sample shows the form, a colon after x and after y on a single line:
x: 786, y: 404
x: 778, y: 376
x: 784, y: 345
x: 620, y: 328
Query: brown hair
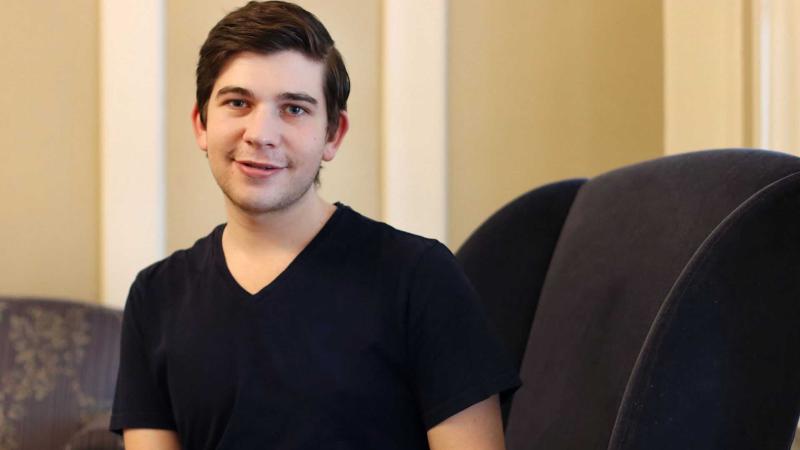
x: 269, y: 27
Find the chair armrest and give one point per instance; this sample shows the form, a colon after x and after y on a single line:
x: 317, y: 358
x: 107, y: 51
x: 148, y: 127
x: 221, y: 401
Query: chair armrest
x: 95, y: 436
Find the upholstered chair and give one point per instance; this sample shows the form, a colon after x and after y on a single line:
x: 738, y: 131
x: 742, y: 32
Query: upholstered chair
x: 58, y: 364
x: 653, y: 307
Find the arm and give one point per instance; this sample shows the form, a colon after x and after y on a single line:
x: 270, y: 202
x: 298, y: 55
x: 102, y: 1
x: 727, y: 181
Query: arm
x: 478, y: 427
x: 141, y: 411
x: 151, y: 439
x: 458, y: 362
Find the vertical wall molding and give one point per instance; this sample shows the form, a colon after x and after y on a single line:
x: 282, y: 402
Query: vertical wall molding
x: 131, y: 142
x: 414, y: 156
x: 776, y: 73
x: 732, y: 74
x: 760, y: 69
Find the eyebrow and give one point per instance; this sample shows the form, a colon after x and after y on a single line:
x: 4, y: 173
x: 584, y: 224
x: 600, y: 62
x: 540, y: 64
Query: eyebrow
x: 234, y: 90
x: 298, y: 97
x: 294, y: 96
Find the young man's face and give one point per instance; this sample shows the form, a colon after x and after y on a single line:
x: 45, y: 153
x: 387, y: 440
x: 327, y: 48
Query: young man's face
x: 265, y: 132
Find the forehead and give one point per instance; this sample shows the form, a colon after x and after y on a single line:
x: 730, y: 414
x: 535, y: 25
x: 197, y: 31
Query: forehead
x: 271, y: 74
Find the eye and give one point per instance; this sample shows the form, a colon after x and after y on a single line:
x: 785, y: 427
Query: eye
x: 237, y: 103
x: 294, y: 110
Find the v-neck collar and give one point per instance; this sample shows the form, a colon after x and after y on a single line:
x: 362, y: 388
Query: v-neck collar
x: 287, y: 273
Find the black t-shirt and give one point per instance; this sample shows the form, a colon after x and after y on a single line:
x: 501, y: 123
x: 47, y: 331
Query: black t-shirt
x: 370, y: 337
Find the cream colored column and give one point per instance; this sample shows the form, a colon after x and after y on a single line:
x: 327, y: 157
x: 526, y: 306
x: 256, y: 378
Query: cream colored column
x: 132, y: 141
x: 776, y: 74
x: 414, y: 116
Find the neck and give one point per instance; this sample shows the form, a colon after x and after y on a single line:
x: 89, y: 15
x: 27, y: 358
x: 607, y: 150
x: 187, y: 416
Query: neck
x: 289, y: 229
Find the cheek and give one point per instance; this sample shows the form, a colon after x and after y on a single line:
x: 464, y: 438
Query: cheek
x: 223, y: 135
x: 307, y: 137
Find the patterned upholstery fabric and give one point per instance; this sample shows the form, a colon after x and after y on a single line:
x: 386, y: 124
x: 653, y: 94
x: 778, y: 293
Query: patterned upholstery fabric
x: 58, y: 364
x: 95, y: 436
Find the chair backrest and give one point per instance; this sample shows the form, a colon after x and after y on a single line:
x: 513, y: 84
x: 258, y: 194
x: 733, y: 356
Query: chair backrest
x: 58, y: 363
x: 506, y: 259
x: 666, y: 317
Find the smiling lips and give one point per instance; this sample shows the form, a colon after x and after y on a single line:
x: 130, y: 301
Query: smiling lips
x: 258, y: 169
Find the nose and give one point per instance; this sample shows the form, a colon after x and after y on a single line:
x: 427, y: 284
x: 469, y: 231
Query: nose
x: 263, y: 128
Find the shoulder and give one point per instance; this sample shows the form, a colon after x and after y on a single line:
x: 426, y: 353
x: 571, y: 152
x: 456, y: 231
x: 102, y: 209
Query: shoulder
x: 385, y: 244
x: 179, y: 267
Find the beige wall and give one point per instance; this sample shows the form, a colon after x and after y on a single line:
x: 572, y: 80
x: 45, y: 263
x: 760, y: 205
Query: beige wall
x: 546, y: 90
x: 537, y: 91
x: 194, y: 203
x: 48, y: 161
x: 706, y: 75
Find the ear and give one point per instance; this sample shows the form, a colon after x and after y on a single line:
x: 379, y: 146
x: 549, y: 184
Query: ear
x: 199, y: 129
x: 332, y: 146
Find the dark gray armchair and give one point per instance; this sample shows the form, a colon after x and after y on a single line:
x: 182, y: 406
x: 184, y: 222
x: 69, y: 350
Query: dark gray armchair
x: 653, y: 307
x: 58, y: 363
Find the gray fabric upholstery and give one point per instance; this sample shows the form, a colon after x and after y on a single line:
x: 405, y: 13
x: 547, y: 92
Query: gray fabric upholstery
x: 58, y: 363
x: 722, y: 351
x: 689, y: 265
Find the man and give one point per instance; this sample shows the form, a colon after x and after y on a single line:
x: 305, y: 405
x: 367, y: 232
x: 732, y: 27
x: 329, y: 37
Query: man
x: 298, y: 324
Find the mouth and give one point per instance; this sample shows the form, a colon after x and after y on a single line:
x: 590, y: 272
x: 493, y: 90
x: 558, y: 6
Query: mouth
x: 257, y: 169
x: 258, y: 165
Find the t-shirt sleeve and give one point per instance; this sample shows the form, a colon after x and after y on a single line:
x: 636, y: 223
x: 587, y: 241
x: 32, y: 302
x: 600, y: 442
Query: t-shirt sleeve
x: 458, y: 360
x: 141, y: 399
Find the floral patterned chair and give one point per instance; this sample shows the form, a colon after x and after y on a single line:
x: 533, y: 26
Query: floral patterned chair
x: 58, y: 364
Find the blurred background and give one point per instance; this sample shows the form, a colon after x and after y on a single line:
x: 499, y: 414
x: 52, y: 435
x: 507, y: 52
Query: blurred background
x: 457, y: 107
